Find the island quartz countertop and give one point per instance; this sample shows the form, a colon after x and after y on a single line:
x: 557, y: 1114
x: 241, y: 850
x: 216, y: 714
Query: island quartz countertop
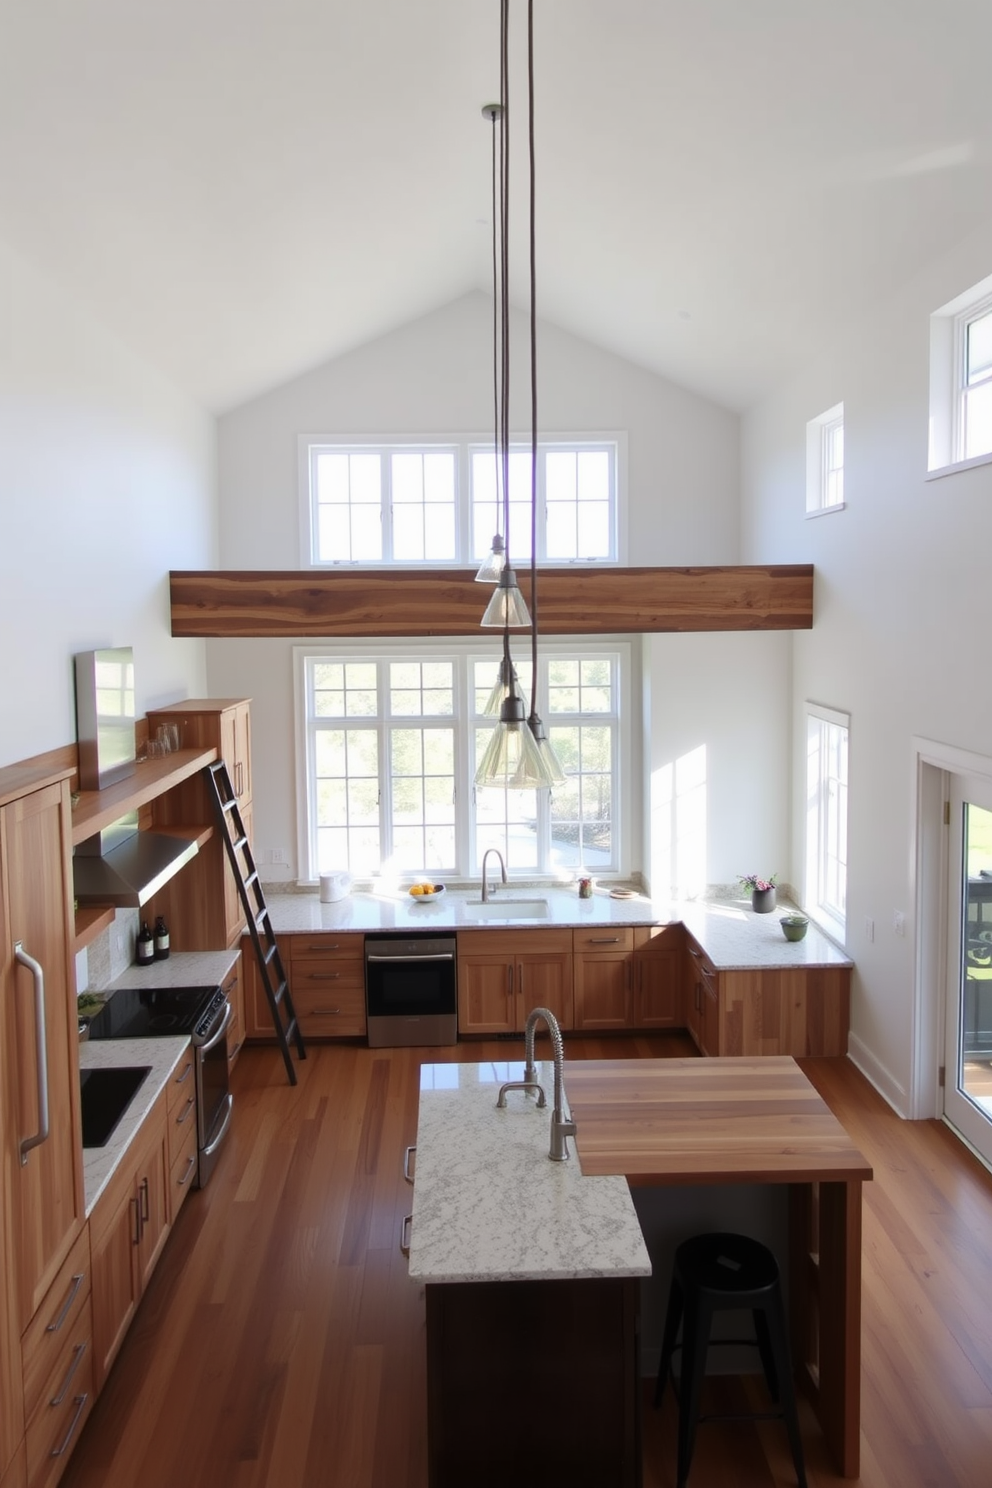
x: 490, y: 1205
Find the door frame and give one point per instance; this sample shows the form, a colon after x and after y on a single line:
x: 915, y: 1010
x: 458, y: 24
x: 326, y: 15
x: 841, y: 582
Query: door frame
x: 935, y: 763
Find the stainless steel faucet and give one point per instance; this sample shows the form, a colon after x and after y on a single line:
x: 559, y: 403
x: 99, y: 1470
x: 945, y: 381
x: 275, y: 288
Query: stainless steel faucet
x: 502, y: 869
x: 560, y: 1128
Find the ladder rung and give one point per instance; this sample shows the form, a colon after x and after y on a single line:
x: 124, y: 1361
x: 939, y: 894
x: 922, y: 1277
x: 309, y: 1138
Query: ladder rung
x: 251, y: 879
x: 272, y: 951
x: 241, y: 842
x: 229, y: 805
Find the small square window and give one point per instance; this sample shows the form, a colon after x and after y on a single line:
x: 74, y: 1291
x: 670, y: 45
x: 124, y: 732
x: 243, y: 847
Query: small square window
x: 825, y: 462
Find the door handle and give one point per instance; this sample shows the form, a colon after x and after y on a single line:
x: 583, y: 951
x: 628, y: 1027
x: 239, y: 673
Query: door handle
x: 41, y: 1050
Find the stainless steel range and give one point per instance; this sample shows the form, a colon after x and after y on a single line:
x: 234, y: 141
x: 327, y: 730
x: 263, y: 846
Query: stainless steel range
x: 204, y: 1014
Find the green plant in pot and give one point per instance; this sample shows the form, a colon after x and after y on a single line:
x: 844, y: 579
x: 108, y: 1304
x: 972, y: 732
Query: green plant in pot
x: 794, y: 926
x: 762, y: 891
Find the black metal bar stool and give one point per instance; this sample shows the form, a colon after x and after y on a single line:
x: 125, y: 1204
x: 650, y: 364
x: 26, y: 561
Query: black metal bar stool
x: 716, y: 1273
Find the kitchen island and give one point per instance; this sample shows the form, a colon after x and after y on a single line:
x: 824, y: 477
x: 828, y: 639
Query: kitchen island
x: 531, y: 1268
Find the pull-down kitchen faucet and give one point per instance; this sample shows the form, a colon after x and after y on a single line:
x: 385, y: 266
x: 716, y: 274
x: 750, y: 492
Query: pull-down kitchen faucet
x: 502, y: 869
x: 560, y: 1128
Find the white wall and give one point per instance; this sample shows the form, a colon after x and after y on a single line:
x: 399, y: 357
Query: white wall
x: 435, y: 375
x: 901, y: 615
x: 107, y: 480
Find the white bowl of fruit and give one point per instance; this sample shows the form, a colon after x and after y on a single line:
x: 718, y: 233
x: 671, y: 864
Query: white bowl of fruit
x: 423, y: 892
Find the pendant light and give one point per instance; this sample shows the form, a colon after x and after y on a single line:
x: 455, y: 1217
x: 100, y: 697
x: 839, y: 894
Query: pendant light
x: 552, y: 764
x: 512, y: 759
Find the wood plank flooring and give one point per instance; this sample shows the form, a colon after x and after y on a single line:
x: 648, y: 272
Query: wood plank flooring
x: 281, y: 1342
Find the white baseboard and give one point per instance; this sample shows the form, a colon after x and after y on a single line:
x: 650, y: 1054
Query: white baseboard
x: 876, y: 1074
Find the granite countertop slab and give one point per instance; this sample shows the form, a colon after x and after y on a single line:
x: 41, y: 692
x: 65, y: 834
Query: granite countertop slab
x: 162, y: 1054
x: 733, y: 936
x: 180, y: 969
x: 490, y: 1205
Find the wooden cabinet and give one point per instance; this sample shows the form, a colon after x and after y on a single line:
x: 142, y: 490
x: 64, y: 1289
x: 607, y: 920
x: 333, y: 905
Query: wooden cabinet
x: 57, y: 1361
x: 603, y: 977
x: 503, y: 974
x: 659, y: 977
x: 201, y: 905
x: 326, y: 975
x: 180, y: 1105
x: 704, y: 999
x: 235, y: 989
x: 128, y: 1228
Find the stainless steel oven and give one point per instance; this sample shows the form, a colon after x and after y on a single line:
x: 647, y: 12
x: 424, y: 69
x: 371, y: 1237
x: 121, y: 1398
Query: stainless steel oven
x: 203, y: 1013
x: 411, y: 990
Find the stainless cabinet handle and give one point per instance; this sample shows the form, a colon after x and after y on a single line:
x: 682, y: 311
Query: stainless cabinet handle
x: 186, y: 1111
x: 328, y: 945
x: 411, y: 960
x: 190, y: 1165
x: 77, y: 1282
x: 80, y: 1407
x: 324, y: 1012
x: 604, y: 940
x: 323, y: 976
x: 41, y: 1048
x: 145, y: 1204
x: 77, y: 1355
x: 137, y: 1221
x: 509, y: 981
x: 185, y: 1074
x: 697, y: 954
x: 405, y: 1234
x: 406, y: 1163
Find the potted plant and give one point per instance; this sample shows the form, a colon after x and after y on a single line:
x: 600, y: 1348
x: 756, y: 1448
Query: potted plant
x: 762, y: 891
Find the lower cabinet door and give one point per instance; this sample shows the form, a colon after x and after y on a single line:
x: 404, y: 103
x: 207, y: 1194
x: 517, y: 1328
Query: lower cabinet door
x: 114, y: 1238
x: 603, y: 991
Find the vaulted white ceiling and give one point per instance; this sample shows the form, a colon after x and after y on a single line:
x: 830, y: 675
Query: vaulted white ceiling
x: 242, y: 189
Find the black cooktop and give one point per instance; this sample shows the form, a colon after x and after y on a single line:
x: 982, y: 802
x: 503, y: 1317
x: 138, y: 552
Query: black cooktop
x: 138, y: 1012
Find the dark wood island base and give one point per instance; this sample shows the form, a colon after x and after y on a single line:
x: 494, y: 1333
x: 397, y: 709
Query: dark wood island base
x: 535, y: 1380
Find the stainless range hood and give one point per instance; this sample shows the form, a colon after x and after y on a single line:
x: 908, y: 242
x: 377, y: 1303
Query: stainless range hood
x: 125, y: 867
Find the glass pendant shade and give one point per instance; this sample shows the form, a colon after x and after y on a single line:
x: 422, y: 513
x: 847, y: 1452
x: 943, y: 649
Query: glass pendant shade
x: 512, y: 758
x: 507, y: 607
x: 506, y: 682
x: 491, y: 566
x: 553, y: 767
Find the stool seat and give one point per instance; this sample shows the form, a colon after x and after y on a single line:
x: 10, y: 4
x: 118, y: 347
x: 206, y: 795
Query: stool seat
x: 718, y: 1272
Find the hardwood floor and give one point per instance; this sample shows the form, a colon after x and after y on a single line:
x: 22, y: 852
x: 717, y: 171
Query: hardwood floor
x: 281, y: 1342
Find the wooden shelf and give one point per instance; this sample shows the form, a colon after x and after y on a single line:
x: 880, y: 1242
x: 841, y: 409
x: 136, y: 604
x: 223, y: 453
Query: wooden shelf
x: 90, y: 920
x: 95, y: 810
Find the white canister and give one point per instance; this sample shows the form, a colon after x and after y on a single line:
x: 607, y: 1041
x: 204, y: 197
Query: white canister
x: 334, y: 886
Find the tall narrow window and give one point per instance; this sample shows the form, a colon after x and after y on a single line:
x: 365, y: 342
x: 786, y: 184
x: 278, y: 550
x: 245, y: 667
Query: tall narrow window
x: 826, y: 816
x: 976, y: 391
x: 961, y: 381
x: 825, y: 462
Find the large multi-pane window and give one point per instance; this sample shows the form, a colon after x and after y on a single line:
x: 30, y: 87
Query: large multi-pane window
x: 826, y: 815
x: 392, y: 745
x: 442, y: 503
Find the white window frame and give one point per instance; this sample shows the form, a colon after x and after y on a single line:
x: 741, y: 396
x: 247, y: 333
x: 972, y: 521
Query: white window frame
x: 818, y: 469
x: 464, y: 447
x: 466, y: 651
x: 948, y: 381
x: 818, y: 904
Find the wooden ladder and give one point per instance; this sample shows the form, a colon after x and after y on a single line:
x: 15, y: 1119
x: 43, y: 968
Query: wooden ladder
x: 263, y: 938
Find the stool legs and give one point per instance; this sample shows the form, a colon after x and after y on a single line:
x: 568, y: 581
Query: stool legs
x: 695, y: 1341
x: 673, y: 1317
x: 777, y: 1337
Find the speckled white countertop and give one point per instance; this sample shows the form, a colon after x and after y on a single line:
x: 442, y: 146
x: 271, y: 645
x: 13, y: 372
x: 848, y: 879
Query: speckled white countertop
x: 162, y: 1055
x: 490, y: 1205
x: 181, y: 969
x: 729, y: 931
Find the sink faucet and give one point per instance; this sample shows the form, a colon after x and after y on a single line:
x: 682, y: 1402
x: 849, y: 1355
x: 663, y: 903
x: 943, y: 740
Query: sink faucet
x: 560, y: 1128
x: 502, y: 869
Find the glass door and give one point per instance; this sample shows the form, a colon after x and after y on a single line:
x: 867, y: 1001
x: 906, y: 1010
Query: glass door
x: 968, y: 1029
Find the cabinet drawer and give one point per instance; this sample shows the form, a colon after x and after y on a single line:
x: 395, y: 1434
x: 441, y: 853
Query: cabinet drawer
x: 182, y: 1169
x: 599, y: 939
x: 182, y: 1083
x: 348, y: 947
x: 334, y: 1011
x: 54, y: 1428
x: 700, y: 960
x: 314, y: 976
x: 182, y: 1121
x: 56, y: 1321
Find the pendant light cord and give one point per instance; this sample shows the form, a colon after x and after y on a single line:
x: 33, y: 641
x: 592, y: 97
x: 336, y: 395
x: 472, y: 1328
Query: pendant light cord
x: 533, y: 362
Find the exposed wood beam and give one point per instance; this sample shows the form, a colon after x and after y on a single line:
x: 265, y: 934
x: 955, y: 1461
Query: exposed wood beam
x: 447, y: 602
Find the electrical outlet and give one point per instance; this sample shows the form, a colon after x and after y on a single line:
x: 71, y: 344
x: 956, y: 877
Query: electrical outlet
x: 899, y: 922
x: 869, y: 928
x: 279, y: 857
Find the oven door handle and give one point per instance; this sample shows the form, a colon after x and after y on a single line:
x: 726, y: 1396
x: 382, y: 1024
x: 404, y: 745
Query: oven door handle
x: 215, y: 1038
x: 212, y: 1146
x: 411, y: 960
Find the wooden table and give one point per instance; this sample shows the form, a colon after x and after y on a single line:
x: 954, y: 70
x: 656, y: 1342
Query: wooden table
x: 732, y: 1121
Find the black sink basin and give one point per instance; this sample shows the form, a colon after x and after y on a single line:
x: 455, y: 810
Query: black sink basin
x: 106, y: 1095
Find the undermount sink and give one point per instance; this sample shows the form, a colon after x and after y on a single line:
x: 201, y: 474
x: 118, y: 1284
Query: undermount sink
x: 106, y: 1095
x: 508, y: 909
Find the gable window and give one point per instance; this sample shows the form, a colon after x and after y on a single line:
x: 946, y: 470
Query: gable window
x: 825, y: 462
x: 826, y: 816
x: 440, y: 503
x: 391, y: 746
x: 961, y: 381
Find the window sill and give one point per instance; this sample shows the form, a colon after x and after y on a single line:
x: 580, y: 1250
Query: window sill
x: 825, y: 511
x: 941, y: 470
